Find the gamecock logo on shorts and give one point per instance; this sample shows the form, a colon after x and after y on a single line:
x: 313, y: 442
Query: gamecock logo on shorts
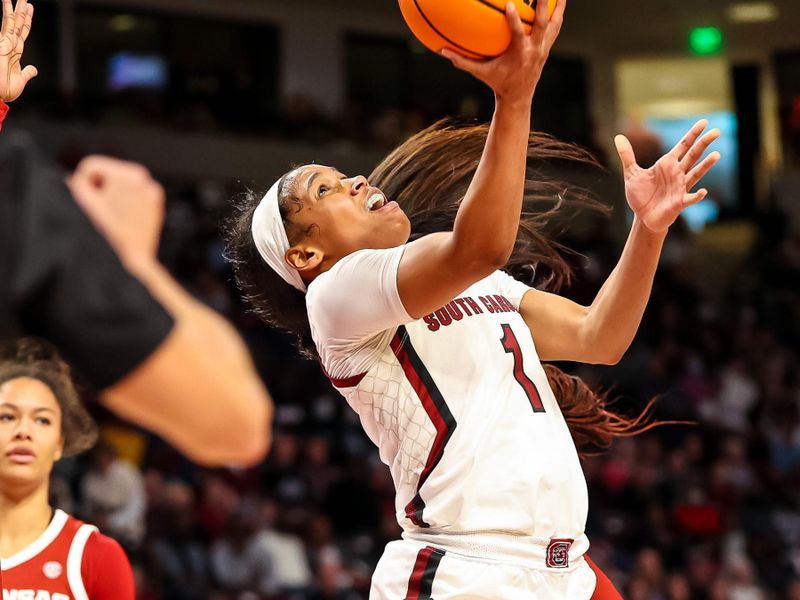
x: 558, y: 553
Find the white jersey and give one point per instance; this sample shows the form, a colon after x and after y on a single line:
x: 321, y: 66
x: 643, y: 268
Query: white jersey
x: 458, y: 404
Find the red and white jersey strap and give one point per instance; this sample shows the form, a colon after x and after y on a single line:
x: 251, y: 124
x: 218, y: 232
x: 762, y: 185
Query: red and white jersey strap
x: 50, y: 567
x: 75, y: 561
x: 44, y: 541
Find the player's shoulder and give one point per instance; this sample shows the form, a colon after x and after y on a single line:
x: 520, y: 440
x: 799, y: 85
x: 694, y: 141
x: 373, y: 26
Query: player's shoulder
x: 102, y: 547
x: 63, y: 527
x: 105, y: 569
x: 69, y: 520
x: 360, y: 264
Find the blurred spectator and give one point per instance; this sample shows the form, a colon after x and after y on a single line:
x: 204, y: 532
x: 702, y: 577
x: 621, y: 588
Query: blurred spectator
x: 232, y: 565
x: 178, y: 555
x: 742, y: 581
x: 281, y: 554
x: 114, y: 496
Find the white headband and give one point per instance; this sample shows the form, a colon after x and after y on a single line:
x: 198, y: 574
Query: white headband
x: 269, y: 234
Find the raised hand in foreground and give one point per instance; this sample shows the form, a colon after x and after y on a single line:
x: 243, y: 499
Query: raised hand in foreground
x: 14, y: 31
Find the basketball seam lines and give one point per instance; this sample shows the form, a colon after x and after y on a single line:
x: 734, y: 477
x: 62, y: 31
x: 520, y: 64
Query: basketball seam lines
x: 444, y: 37
x: 500, y: 10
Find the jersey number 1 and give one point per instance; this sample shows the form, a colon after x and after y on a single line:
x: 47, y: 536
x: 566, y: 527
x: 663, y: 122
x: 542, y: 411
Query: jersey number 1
x: 511, y: 346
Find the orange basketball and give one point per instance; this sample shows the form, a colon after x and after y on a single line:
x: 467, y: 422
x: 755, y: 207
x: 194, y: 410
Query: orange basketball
x: 474, y: 28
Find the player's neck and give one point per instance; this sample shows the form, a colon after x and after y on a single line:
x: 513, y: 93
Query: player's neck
x: 23, y: 520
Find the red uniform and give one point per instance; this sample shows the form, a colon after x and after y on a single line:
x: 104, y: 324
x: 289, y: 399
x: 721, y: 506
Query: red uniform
x: 69, y: 561
x: 3, y: 111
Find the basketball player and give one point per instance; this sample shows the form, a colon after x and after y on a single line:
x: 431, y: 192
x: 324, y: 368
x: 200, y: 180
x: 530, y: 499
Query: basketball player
x: 46, y: 554
x: 433, y: 345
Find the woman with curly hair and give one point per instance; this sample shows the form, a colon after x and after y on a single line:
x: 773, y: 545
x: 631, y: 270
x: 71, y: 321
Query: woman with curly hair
x: 44, y: 552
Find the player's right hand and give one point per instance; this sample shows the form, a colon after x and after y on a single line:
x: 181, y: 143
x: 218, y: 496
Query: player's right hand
x: 14, y: 31
x: 124, y: 202
x: 513, y: 76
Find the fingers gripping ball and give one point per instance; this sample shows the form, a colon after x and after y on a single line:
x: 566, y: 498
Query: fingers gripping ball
x: 474, y: 28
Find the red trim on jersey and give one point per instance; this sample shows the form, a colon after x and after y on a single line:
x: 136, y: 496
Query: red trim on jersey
x: 420, y: 584
x: 3, y: 113
x: 106, y: 572
x: 436, y: 408
x: 69, y: 559
x: 604, y: 590
x: 346, y: 383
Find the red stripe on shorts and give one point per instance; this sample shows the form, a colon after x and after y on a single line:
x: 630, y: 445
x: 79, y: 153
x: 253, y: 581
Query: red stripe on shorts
x: 420, y: 583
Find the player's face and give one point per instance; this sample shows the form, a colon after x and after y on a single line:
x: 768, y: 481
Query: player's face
x: 341, y: 215
x: 30, y: 433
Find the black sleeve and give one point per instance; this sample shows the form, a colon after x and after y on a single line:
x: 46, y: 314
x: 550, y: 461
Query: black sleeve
x: 59, y: 278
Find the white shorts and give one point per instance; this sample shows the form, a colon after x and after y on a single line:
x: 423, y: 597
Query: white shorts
x: 412, y: 570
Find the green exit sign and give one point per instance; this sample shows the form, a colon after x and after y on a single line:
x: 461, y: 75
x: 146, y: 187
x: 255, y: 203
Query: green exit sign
x: 705, y: 40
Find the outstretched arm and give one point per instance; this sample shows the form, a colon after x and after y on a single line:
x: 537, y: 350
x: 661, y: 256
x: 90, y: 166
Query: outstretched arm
x: 199, y: 389
x: 437, y: 267
x: 602, y: 332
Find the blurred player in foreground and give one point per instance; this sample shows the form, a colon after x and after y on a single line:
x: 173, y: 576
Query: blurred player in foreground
x: 46, y: 553
x: 94, y: 287
x: 433, y: 345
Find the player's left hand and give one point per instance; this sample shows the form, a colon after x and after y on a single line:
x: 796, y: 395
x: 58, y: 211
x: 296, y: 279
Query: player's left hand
x: 13, y: 33
x: 659, y: 194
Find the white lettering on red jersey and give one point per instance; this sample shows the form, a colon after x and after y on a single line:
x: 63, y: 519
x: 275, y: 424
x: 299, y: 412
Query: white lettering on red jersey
x: 458, y: 404
x: 63, y: 564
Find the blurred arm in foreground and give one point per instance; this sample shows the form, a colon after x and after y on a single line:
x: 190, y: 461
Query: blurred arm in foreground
x: 199, y: 388
x: 162, y: 359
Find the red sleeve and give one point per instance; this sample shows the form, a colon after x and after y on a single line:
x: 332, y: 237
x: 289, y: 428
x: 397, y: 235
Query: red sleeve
x: 3, y: 111
x: 604, y: 589
x: 106, y: 572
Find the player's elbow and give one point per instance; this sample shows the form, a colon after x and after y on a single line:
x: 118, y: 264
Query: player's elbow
x: 498, y: 253
x: 237, y: 433
x: 487, y: 252
x: 258, y: 439
x: 248, y: 431
x: 251, y: 450
x: 606, y: 356
x: 598, y: 344
x: 500, y: 256
x: 485, y: 261
x: 611, y: 358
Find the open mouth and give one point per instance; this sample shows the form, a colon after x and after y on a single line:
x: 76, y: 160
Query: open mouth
x: 375, y: 201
